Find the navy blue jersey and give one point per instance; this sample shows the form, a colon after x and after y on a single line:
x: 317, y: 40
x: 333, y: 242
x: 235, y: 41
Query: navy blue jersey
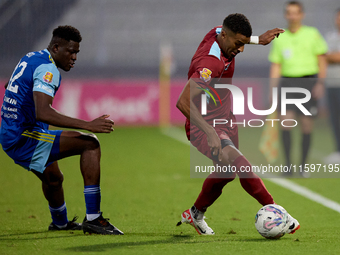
x: 36, y: 71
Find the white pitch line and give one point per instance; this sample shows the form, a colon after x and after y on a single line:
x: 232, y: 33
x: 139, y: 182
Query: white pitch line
x: 179, y: 135
x: 303, y: 191
x: 175, y: 133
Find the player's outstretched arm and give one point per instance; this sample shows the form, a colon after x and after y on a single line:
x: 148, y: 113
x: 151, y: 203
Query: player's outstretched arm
x: 269, y: 36
x: 186, y: 105
x: 47, y: 114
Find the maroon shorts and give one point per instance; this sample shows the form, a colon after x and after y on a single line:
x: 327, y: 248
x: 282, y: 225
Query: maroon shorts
x: 199, y: 139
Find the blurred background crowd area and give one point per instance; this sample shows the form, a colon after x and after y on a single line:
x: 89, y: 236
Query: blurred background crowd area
x: 127, y: 42
x: 122, y: 38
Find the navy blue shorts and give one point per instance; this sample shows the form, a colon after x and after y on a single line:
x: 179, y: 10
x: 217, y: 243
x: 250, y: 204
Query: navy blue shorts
x: 36, y: 149
x: 306, y: 82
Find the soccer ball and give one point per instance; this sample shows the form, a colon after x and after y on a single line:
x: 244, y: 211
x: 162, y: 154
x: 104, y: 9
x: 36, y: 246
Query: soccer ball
x: 272, y: 221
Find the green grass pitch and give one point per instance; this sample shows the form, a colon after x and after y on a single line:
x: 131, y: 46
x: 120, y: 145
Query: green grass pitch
x: 145, y: 187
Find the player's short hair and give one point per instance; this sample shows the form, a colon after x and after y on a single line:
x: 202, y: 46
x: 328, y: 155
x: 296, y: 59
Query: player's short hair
x: 297, y: 3
x: 238, y: 23
x: 67, y: 33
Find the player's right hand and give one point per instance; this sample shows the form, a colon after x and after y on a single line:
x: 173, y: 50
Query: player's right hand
x: 101, y: 124
x: 214, y: 143
x: 268, y: 36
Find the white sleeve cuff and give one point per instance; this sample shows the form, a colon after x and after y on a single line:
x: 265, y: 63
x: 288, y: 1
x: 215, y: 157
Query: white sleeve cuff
x: 254, y: 40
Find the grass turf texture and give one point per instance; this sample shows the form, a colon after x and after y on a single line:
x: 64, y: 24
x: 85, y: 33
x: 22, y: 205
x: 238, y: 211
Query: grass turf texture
x: 145, y: 186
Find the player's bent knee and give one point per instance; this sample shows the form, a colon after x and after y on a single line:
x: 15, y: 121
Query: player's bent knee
x: 54, y: 182
x: 93, y: 142
x: 80, y: 139
x: 55, y: 185
x: 223, y: 172
x: 226, y: 176
x: 89, y: 141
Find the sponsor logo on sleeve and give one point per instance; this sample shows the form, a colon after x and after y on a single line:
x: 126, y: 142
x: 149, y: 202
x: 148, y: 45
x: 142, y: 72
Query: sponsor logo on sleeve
x: 46, y: 88
x: 205, y: 75
x: 48, y: 77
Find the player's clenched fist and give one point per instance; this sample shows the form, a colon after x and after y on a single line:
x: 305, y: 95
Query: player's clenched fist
x: 101, y: 125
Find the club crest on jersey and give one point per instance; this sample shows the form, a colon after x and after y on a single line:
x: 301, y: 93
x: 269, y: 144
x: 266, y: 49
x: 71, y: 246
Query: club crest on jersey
x: 205, y: 75
x: 48, y: 77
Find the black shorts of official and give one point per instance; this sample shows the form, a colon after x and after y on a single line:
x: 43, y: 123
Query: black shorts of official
x: 307, y: 82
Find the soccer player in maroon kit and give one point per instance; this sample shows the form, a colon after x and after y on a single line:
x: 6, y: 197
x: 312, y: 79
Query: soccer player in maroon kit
x: 213, y: 60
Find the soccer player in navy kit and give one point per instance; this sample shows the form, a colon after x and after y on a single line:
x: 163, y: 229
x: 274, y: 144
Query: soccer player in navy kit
x: 26, y: 114
x: 213, y: 60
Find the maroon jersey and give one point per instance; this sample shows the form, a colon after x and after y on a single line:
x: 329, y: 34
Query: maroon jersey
x: 208, y: 66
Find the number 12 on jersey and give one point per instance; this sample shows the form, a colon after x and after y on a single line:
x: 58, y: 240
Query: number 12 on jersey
x: 14, y: 88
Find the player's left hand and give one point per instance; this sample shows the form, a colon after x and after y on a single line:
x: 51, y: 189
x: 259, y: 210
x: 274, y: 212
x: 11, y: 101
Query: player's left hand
x: 269, y: 36
x: 100, y: 125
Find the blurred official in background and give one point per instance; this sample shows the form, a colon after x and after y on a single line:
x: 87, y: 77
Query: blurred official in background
x: 333, y: 86
x: 298, y: 59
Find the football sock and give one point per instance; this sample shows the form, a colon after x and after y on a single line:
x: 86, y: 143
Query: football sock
x: 92, y: 201
x: 212, y: 186
x: 197, y: 214
x: 252, y: 183
x: 59, y: 216
x: 211, y: 190
x: 305, y: 147
x: 286, y: 145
